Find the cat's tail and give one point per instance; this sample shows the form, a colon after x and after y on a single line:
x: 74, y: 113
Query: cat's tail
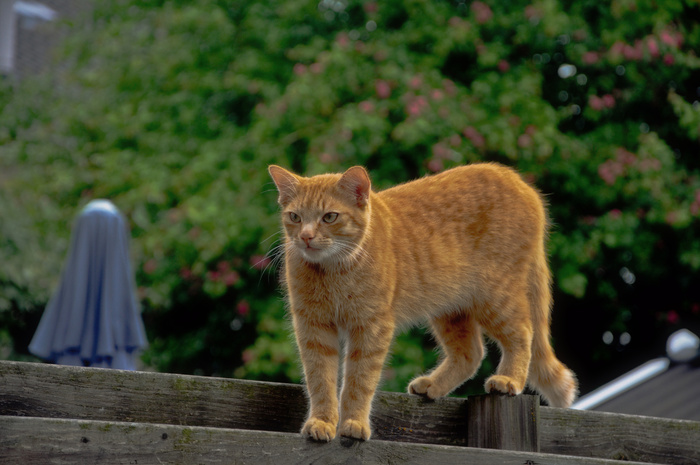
x: 551, y: 378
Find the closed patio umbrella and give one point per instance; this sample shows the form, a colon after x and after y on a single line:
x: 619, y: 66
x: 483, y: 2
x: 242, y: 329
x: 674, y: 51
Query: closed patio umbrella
x: 93, y: 318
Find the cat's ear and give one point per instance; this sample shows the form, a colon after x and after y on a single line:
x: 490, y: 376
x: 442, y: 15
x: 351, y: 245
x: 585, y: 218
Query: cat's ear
x: 286, y: 183
x: 356, y: 183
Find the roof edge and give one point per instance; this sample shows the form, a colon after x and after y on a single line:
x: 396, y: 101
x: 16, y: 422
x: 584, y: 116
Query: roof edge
x: 622, y: 384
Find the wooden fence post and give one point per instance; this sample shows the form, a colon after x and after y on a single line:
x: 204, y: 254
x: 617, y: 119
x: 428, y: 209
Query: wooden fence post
x: 503, y: 422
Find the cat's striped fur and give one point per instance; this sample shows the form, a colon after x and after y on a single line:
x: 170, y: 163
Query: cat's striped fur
x: 464, y: 249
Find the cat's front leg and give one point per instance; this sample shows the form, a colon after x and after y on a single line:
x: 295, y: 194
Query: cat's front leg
x: 318, y: 347
x: 367, y: 348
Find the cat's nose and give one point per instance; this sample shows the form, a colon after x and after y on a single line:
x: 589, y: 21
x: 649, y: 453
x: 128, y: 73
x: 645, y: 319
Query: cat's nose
x: 307, y: 235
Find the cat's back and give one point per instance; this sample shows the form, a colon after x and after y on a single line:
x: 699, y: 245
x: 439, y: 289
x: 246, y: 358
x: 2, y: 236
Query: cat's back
x: 469, y: 190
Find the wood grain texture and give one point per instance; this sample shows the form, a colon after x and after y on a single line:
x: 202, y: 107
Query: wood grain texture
x: 32, y: 389
x: 504, y: 422
x: 50, y: 391
x: 622, y: 437
x: 42, y: 441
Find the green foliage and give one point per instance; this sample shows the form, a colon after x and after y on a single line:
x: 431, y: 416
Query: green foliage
x: 174, y: 109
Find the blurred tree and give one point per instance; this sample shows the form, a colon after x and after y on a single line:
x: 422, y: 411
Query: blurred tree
x: 174, y: 109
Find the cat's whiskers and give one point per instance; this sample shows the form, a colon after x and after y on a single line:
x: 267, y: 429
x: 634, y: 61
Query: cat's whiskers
x: 271, y: 236
x: 275, y: 255
x: 352, y: 252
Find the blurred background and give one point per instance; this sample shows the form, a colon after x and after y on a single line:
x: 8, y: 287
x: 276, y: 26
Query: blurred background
x: 173, y: 110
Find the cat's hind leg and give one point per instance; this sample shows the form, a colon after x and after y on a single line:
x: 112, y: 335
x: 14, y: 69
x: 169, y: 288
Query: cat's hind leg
x: 459, y: 336
x: 512, y: 329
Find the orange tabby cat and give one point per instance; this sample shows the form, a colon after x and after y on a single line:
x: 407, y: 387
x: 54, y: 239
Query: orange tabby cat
x: 464, y: 249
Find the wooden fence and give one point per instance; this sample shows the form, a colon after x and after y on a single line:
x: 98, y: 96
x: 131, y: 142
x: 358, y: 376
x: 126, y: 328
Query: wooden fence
x: 54, y: 415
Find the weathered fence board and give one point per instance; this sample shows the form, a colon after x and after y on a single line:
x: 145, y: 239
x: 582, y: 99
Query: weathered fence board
x: 503, y: 422
x: 622, y: 437
x: 41, y: 441
x: 50, y: 391
x: 31, y: 389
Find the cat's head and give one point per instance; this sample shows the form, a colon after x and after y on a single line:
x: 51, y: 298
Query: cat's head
x: 325, y: 217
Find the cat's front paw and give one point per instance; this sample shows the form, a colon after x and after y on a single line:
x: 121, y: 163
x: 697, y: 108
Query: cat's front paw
x: 318, y: 430
x: 424, y: 386
x: 503, y: 384
x: 355, y: 429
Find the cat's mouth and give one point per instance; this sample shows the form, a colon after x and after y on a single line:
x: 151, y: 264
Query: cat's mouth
x: 312, y: 253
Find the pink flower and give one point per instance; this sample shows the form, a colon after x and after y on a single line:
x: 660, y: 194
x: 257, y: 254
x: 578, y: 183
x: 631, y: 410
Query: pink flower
x: 474, y: 137
x: 150, y: 266
x: 503, y: 66
x: 194, y: 232
x: 247, y: 356
x: 591, y: 58
x: 366, y: 106
x: 610, y: 171
x: 259, y: 262
x: 370, y: 7
x: 596, y: 102
x: 672, y: 317
x: 174, y: 215
x: 299, y: 69
x: 633, y: 52
x: 482, y: 12
x: 382, y: 88
x: 617, y: 49
x: 417, y: 105
x: 669, y: 59
x: 615, y: 213
x: 694, y: 208
x: 326, y: 157
x: 449, y: 86
x: 223, y: 266
x: 185, y: 273
x: 455, y: 21
x: 653, y: 47
x: 625, y: 157
x: 524, y: 141
x: 608, y: 101
x: 437, y: 94
x: 671, y: 218
x: 532, y: 13
x: 649, y: 164
x: 342, y: 39
x: 416, y: 82
x: 456, y: 141
x: 440, y: 151
x: 671, y: 39
x: 230, y: 278
x: 435, y: 165
x: 380, y: 55
x: 316, y: 68
x: 243, y: 308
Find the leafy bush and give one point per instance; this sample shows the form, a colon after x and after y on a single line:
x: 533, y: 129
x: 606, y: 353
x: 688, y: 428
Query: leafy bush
x: 174, y: 109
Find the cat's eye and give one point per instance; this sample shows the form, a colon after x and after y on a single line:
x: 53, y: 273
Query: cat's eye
x: 294, y: 217
x: 330, y: 217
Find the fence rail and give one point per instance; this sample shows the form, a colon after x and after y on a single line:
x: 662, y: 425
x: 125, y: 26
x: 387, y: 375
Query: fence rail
x: 57, y: 414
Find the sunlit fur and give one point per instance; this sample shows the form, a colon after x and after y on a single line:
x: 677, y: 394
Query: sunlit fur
x: 464, y: 250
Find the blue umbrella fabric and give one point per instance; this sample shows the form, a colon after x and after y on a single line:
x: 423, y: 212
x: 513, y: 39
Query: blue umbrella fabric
x: 93, y: 318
